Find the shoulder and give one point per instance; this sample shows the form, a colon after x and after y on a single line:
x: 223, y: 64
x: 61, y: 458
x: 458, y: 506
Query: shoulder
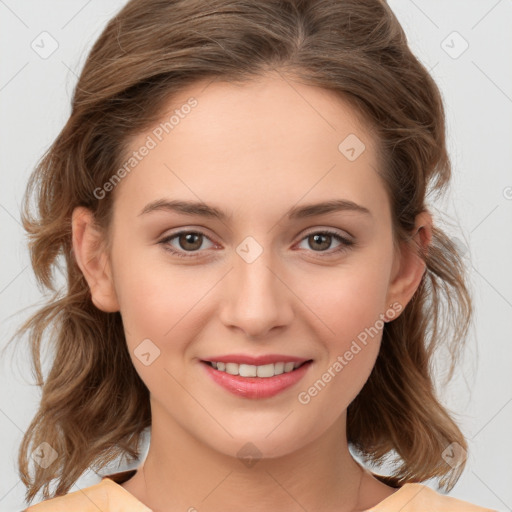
x: 107, y: 496
x: 416, y: 497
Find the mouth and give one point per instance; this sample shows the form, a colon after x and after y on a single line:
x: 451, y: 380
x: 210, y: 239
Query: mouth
x: 256, y: 371
x: 260, y: 382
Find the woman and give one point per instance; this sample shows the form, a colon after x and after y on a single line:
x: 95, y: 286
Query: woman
x: 211, y: 146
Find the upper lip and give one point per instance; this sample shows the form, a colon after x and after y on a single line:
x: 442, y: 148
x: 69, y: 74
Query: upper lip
x: 256, y: 360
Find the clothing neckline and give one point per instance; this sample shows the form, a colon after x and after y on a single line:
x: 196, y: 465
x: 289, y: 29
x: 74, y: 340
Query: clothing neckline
x: 118, y: 478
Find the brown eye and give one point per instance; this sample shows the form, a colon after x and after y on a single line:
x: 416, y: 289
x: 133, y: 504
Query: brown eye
x: 187, y: 242
x: 320, y: 241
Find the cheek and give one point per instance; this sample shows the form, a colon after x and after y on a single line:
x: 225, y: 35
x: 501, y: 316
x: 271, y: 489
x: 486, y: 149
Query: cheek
x: 351, y: 346
x: 349, y: 298
x: 350, y: 302
x: 159, y: 300
x: 151, y: 300
x: 156, y: 306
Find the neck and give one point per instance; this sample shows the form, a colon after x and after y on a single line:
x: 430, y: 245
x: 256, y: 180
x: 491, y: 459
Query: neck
x: 181, y: 473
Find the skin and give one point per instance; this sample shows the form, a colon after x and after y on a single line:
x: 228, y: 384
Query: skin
x: 253, y: 150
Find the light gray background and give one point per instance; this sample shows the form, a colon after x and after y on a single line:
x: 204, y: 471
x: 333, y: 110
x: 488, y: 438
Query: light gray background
x: 476, y: 85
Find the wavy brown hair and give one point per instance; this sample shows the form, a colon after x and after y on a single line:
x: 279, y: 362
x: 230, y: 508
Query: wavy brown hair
x: 94, y: 407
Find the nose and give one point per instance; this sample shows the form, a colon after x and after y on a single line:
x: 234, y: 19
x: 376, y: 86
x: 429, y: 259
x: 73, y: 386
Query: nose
x: 256, y: 297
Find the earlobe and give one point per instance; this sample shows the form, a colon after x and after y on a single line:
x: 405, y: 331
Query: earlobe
x: 409, y: 267
x: 92, y: 259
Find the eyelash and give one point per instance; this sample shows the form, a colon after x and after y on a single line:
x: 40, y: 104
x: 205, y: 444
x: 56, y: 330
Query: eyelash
x: 345, y: 242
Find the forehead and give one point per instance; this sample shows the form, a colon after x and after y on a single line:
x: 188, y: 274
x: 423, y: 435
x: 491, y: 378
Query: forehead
x: 268, y: 141
x: 252, y: 114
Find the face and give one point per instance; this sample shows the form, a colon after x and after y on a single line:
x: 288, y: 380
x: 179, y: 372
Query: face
x: 256, y: 280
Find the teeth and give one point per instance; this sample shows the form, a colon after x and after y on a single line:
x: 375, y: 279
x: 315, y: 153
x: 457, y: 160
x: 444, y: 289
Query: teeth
x: 249, y: 370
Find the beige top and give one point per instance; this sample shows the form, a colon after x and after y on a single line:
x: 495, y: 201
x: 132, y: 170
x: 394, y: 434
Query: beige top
x: 109, y: 496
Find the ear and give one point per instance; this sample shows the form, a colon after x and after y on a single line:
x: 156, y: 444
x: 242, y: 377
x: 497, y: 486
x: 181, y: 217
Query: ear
x: 93, y: 260
x: 408, y: 266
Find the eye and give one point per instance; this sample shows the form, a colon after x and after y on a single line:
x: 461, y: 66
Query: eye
x: 322, y: 240
x: 189, y: 241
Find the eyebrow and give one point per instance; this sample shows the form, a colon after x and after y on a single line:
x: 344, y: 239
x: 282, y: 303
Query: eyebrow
x: 209, y: 211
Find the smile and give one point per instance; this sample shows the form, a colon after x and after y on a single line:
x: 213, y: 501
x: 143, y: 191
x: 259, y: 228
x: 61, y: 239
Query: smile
x: 256, y: 382
x: 249, y: 370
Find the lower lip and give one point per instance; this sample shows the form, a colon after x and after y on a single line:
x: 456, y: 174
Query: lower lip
x: 256, y: 387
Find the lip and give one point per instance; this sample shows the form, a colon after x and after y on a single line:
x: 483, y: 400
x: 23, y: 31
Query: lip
x: 256, y: 387
x: 256, y: 360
